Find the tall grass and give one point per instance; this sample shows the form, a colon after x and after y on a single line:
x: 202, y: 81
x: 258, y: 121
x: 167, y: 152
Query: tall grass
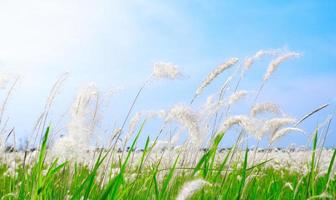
x: 197, y: 168
x: 75, y: 181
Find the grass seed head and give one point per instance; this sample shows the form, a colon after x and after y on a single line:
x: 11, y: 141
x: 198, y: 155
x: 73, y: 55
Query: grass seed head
x: 190, y: 188
x: 276, y: 62
x: 265, y: 107
x: 216, y: 72
x: 245, y: 122
x: 258, y: 55
x: 166, y: 70
x: 237, y: 96
x: 189, y: 119
x: 282, y: 132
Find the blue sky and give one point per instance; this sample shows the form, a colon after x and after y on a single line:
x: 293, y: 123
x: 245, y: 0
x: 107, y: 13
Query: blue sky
x: 115, y: 43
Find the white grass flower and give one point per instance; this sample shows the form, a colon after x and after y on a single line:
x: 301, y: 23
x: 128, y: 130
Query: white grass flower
x: 216, y: 72
x: 236, y: 96
x: 272, y: 125
x: 277, y: 123
x: 264, y: 107
x: 83, y: 120
x: 188, y: 119
x: 245, y: 122
x: 258, y: 55
x: 282, y: 132
x: 166, y: 70
x: 212, y: 106
x: 133, y: 125
x: 276, y: 62
x: 190, y: 188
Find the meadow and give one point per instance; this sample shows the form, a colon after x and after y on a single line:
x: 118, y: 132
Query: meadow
x: 198, y: 167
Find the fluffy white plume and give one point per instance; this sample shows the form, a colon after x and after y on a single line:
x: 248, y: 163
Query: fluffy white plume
x: 265, y: 107
x: 237, y: 96
x: 212, y: 105
x: 188, y: 119
x: 282, y: 132
x: 166, y: 70
x: 258, y: 55
x: 274, y: 124
x: 248, y: 124
x: 276, y: 62
x: 212, y: 75
x: 84, y: 117
x: 132, y: 125
x: 190, y: 188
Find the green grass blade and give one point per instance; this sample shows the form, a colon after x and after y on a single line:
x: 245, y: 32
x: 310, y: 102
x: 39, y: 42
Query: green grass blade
x: 39, y: 165
x: 331, y: 166
x: 113, y: 186
x: 242, y: 182
x: 310, y: 187
x: 168, y: 179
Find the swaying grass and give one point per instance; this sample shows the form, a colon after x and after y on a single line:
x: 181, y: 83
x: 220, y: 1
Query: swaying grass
x: 74, y: 181
x: 66, y: 168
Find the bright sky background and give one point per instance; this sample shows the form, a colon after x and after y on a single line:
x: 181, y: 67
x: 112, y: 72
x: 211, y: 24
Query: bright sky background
x: 115, y: 43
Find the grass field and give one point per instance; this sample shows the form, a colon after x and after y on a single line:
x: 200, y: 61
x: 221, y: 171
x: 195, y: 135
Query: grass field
x: 198, y: 168
x: 225, y: 178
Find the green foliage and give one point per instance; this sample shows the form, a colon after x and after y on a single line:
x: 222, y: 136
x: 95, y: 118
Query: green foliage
x: 51, y: 180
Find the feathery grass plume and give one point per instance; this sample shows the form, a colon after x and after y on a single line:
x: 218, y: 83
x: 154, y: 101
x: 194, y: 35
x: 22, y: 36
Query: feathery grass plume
x: 166, y: 70
x: 82, y: 124
x: 160, y: 70
x: 276, y: 62
x: 188, y: 119
x: 190, y: 188
x: 276, y: 123
x: 133, y: 125
x: 211, y: 106
x: 236, y: 96
x: 213, y: 74
x: 247, y: 123
x: 258, y: 55
x: 282, y: 132
x: 272, y: 125
x: 265, y: 107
